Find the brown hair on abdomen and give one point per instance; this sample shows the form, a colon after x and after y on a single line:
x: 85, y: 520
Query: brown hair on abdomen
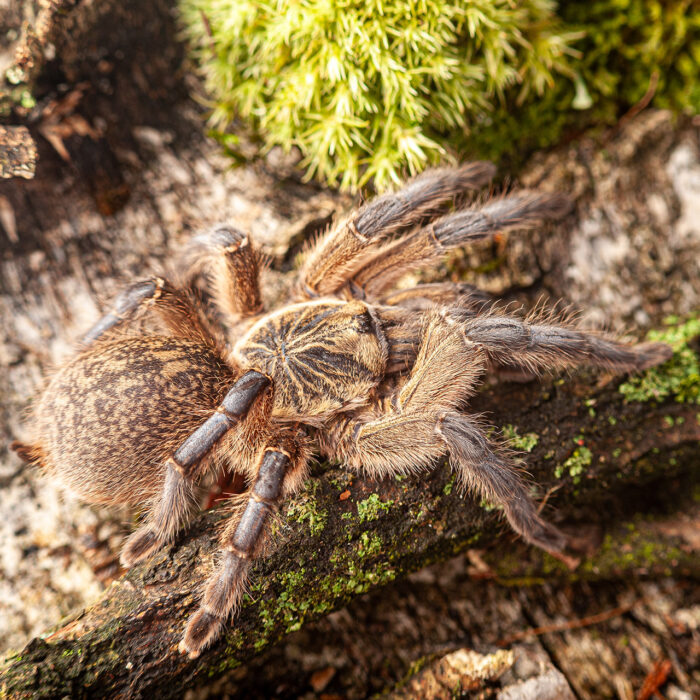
x: 110, y: 417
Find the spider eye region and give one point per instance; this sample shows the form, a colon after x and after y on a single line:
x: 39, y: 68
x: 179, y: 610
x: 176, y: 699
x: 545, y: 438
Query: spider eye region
x: 322, y: 356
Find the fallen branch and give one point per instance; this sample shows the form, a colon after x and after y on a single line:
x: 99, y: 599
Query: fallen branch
x: 332, y: 547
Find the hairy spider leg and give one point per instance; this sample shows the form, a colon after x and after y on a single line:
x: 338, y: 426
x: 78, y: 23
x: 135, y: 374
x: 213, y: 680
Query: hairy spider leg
x: 427, y: 296
x: 173, y: 506
x: 176, y: 310
x: 425, y: 246
x: 420, y: 422
x: 491, y: 475
x: 280, y: 472
x: 510, y: 341
x: 397, y: 433
x: 337, y: 254
x: 230, y: 264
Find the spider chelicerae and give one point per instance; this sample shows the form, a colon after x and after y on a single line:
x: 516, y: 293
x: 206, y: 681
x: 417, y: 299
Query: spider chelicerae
x: 372, y: 376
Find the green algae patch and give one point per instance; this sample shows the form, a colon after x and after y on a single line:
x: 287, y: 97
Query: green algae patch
x: 639, y: 551
x: 576, y: 464
x: 488, y: 506
x: 289, y: 605
x: 305, y: 509
x: 294, y: 602
x: 372, y: 508
x: 449, y: 485
x: 524, y: 443
x: 356, y: 580
x: 679, y: 377
x: 370, y: 544
x: 639, y: 547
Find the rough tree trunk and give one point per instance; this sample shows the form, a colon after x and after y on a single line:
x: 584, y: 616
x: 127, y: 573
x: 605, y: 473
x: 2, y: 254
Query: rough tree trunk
x: 123, y: 177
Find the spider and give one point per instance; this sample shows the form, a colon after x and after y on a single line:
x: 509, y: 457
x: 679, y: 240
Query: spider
x: 366, y: 374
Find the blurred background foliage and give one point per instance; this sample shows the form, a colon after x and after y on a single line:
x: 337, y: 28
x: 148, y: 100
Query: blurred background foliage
x: 371, y: 90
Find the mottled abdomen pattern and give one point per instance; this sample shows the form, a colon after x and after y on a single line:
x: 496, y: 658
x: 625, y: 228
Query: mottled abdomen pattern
x: 322, y: 357
x: 110, y: 417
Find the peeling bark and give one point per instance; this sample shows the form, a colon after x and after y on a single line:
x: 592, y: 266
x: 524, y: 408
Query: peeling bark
x: 17, y: 152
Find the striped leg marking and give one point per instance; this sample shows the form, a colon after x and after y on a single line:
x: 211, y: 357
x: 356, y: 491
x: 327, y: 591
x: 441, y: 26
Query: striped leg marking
x: 124, y: 305
x: 230, y: 264
x: 226, y: 586
x: 171, y: 509
x: 425, y: 246
x: 176, y: 310
x: 511, y: 341
x: 330, y: 262
x: 233, y: 410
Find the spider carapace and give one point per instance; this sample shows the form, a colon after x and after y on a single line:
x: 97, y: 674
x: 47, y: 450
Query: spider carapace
x: 324, y: 356
x: 364, y: 372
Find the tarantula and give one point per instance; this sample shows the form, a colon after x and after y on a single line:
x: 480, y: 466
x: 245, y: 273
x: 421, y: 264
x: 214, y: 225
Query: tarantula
x: 376, y: 378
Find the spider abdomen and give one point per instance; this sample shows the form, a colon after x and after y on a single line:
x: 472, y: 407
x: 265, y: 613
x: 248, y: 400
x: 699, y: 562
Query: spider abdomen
x: 110, y: 417
x: 322, y: 356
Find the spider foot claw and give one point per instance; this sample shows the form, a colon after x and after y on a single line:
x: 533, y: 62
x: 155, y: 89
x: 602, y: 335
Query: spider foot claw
x: 653, y: 354
x: 139, y: 546
x: 548, y: 538
x: 203, y: 628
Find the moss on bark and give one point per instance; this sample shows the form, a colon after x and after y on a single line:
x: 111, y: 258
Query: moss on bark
x: 330, y: 550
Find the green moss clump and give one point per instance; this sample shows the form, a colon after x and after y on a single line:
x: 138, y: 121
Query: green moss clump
x: 370, y: 544
x: 488, y: 506
x: 447, y: 488
x: 576, y: 464
x: 636, y: 551
x: 367, y: 89
x: 680, y: 376
x: 630, y: 41
x: 631, y: 50
x: 358, y: 580
x: 636, y: 548
x: 292, y: 604
x: 305, y: 510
